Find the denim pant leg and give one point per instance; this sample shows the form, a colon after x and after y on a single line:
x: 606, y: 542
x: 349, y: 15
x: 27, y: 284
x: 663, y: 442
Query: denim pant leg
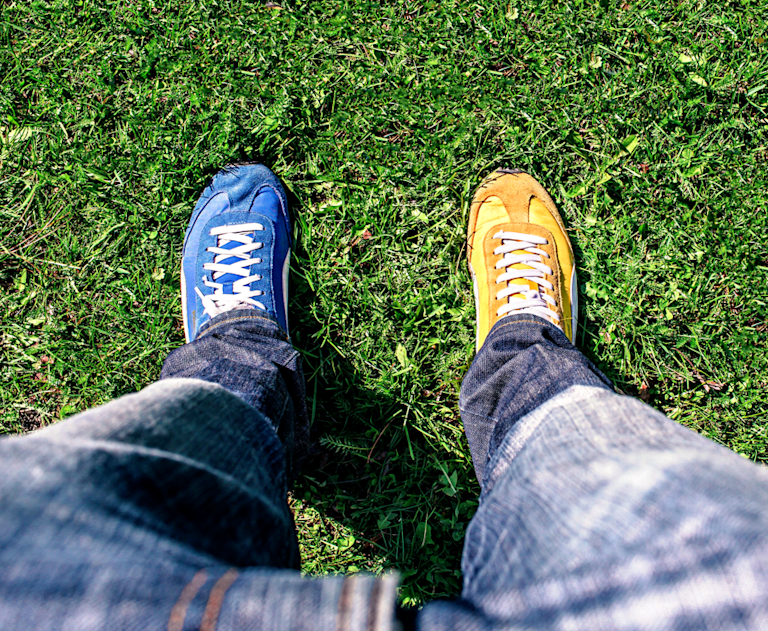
x: 521, y: 365
x: 248, y: 353
x: 598, y: 512
x: 167, y: 509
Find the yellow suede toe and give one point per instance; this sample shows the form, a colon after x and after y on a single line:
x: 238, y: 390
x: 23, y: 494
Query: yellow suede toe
x: 515, y: 203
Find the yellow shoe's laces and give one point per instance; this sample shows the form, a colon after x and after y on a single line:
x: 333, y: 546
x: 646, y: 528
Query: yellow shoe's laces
x: 518, y: 249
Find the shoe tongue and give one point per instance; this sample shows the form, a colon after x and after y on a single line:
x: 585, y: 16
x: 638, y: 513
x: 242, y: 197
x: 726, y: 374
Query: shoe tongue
x: 525, y: 285
x: 228, y: 279
x: 266, y: 203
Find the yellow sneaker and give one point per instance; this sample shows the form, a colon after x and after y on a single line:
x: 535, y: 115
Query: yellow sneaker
x: 519, y: 254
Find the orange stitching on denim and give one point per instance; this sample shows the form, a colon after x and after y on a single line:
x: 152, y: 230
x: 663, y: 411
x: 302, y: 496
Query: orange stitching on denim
x: 179, y: 611
x: 344, y: 612
x: 374, y: 604
x: 216, y: 599
x: 519, y: 322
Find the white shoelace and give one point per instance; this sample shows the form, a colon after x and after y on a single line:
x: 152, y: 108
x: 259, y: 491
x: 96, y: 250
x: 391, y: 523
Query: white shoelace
x: 534, y: 302
x: 242, y: 295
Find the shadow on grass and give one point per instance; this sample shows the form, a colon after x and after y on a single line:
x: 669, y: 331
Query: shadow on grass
x: 591, y: 329
x: 373, y: 469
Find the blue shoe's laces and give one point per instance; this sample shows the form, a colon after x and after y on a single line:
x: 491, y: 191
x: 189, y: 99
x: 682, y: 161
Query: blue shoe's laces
x: 231, y: 265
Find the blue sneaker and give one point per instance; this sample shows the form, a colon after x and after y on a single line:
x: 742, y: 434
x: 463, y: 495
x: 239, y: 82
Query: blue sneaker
x: 237, y: 248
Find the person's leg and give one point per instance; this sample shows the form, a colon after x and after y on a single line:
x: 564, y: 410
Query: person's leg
x: 167, y: 508
x: 521, y: 366
x: 248, y: 353
x: 164, y: 509
x: 234, y: 296
x: 597, y: 512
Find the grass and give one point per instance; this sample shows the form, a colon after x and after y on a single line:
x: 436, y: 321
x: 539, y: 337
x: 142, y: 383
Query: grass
x: 647, y: 122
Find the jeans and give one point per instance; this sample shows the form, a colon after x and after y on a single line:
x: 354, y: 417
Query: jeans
x: 167, y: 509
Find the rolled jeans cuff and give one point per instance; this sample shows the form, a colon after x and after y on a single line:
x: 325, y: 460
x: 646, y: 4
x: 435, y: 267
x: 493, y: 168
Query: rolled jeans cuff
x: 524, y: 362
x: 248, y: 353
